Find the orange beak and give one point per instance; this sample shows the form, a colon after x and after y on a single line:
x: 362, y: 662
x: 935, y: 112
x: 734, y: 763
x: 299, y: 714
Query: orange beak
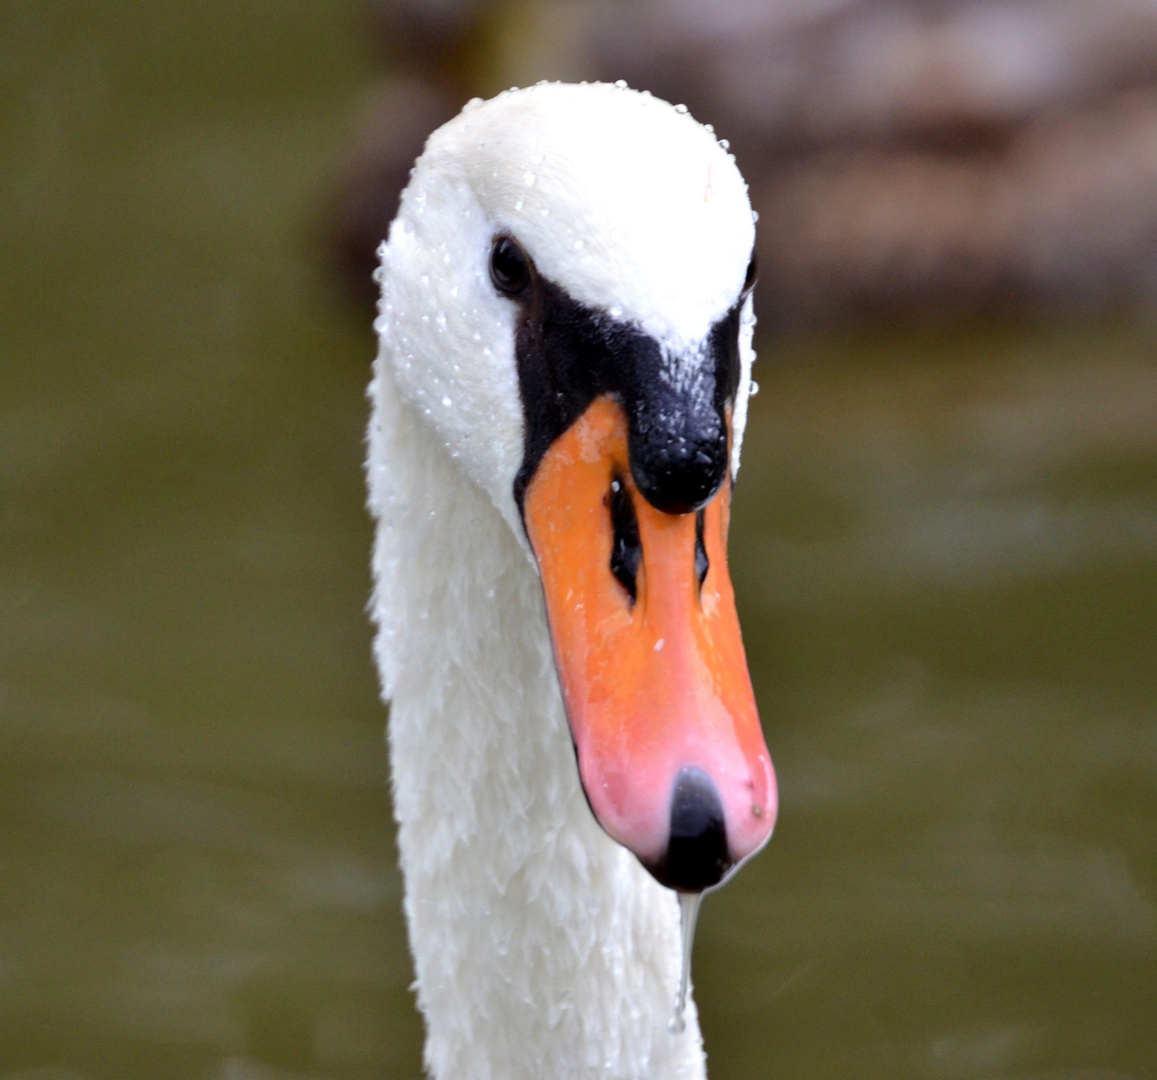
x: 650, y: 659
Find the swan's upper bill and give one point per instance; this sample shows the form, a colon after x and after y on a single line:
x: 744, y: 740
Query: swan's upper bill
x: 566, y: 307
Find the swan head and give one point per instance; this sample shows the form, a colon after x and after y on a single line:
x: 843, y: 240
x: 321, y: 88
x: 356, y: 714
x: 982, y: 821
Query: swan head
x: 566, y: 304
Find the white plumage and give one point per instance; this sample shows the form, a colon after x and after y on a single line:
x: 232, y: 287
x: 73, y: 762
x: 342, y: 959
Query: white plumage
x: 543, y: 950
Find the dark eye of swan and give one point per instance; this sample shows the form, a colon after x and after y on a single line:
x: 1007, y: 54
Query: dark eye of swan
x: 509, y: 266
x: 752, y: 274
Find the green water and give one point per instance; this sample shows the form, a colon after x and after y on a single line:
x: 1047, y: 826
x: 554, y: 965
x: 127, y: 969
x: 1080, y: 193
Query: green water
x: 945, y: 550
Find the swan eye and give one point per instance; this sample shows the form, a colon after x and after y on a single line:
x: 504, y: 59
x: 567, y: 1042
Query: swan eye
x: 749, y: 278
x: 509, y: 267
x: 626, y: 547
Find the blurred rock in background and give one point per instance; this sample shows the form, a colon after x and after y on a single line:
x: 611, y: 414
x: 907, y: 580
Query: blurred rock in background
x: 927, y: 157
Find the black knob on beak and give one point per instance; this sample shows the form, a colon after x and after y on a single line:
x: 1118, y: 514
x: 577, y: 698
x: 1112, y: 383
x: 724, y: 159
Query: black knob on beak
x: 679, y: 459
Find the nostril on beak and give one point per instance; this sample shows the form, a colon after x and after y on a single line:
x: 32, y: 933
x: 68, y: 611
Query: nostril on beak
x: 697, y: 856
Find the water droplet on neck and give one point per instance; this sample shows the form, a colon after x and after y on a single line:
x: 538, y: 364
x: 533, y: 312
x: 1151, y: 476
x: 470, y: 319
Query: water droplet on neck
x: 689, y: 911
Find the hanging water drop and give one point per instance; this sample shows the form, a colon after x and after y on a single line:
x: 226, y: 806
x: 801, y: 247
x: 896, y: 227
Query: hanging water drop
x: 689, y: 912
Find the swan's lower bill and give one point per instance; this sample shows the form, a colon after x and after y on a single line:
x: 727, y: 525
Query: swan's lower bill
x: 650, y: 659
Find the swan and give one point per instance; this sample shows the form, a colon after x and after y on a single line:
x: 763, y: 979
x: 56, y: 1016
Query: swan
x: 558, y: 404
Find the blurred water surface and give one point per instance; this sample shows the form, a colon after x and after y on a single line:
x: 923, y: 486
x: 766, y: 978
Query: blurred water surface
x: 945, y: 548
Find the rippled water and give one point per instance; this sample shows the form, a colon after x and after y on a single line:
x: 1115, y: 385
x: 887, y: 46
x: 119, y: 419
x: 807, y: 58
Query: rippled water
x: 945, y: 550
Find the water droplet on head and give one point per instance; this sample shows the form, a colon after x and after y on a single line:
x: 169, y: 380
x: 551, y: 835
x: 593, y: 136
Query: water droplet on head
x: 725, y: 144
x: 754, y: 388
x: 680, y: 108
x: 620, y: 84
